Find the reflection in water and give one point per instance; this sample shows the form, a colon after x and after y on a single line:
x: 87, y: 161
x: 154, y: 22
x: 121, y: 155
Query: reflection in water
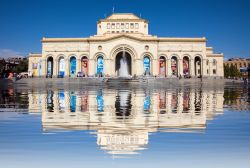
x: 147, y: 102
x: 128, y: 116
x: 72, y: 102
x: 124, y: 127
x: 61, y: 98
x: 50, y: 103
x: 84, y: 101
x: 123, y: 103
x: 174, y: 102
x: 100, y: 101
x: 186, y: 101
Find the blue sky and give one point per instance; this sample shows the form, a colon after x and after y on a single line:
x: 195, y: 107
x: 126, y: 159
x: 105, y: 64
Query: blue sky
x: 225, y: 23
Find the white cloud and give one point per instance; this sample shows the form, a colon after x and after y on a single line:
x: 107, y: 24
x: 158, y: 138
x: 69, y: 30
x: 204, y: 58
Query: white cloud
x: 8, y: 53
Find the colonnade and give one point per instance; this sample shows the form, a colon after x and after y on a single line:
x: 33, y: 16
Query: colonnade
x: 162, y: 67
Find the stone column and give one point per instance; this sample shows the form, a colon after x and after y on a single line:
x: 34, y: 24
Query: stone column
x: 210, y: 70
x: 203, y: 67
x: 155, y: 67
x: 112, y: 66
x: 169, y: 71
x: 66, y: 68
x: 92, y: 67
x: 107, y: 67
x: 138, y: 67
x: 78, y: 66
x: 180, y: 67
x: 192, y: 68
x: 44, y: 67
x: 55, y: 68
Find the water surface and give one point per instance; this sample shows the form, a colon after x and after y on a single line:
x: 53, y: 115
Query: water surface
x: 125, y: 127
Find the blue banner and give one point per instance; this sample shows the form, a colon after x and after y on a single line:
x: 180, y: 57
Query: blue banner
x: 100, y: 65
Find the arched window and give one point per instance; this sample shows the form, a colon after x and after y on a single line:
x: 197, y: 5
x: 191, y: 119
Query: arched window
x: 146, y: 65
x: 100, y: 65
x: 197, y: 66
x: 174, y: 66
x: 50, y: 65
x: 162, y: 66
x: 214, y: 62
x: 186, y: 67
x: 72, y: 66
x: 61, y: 67
x: 85, y: 66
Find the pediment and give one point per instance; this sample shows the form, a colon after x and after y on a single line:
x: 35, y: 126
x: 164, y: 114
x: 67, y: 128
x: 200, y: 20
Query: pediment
x: 123, y: 36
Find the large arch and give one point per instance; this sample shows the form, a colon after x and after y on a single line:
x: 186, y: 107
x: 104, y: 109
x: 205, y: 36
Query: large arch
x: 61, y: 67
x: 186, y: 66
x: 147, y: 65
x: 85, y: 65
x: 72, y: 66
x: 50, y: 66
x: 197, y: 66
x: 100, y: 66
x: 162, y: 66
x: 130, y: 52
x: 123, y: 64
x: 174, y: 66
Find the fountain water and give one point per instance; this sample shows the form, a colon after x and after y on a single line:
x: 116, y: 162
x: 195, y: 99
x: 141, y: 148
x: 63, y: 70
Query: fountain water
x: 123, y: 71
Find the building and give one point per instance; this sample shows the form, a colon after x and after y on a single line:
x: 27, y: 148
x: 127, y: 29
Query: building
x: 123, y: 47
x: 9, y: 64
x: 242, y: 64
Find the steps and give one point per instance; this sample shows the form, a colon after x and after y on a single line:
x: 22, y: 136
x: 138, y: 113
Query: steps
x: 124, y: 81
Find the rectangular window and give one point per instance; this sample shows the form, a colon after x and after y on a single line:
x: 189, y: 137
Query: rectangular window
x: 113, y: 26
x: 207, y: 71
x: 214, y: 62
x: 108, y: 26
x: 118, y: 25
x: 137, y: 26
x: 214, y: 71
x: 131, y: 25
x: 122, y: 25
x: 127, y: 26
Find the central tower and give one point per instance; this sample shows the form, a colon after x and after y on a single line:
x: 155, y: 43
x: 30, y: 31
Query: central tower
x: 119, y: 23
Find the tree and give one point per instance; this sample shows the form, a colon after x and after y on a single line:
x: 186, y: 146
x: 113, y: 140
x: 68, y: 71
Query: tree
x: 226, y: 71
x: 22, y: 67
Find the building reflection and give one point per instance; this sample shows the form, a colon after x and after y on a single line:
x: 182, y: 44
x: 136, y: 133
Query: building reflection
x: 123, y: 119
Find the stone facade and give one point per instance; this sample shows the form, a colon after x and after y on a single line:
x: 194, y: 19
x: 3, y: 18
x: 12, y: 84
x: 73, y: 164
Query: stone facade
x: 126, y: 34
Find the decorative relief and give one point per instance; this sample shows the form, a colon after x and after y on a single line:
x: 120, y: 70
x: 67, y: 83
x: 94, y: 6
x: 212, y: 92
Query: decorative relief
x: 99, y: 47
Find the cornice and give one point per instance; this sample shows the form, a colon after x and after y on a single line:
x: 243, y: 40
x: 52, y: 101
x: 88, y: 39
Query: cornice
x: 215, y: 55
x: 142, y: 38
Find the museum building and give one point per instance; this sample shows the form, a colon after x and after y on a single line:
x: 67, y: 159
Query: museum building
x: 123, y: 47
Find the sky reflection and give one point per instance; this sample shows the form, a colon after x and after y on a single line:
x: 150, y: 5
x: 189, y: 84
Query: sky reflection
x: 120, y: 128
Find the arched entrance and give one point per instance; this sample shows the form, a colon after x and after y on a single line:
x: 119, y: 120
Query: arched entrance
x: 100, y: 65
x: 197, y: 66
x: 174, y: 66
x: 85, y: 66
x: 50, y: 65
x: 123, y: 67
x: 61, y: 68
x: 162, y: 66
x: 146, y: 65
x: 186, y: 68
x: 72, y: 67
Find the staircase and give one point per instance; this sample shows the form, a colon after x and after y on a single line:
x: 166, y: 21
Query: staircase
x: 125, y: 81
